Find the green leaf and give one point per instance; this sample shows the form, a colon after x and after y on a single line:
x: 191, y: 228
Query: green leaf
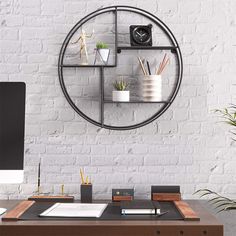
x: 230, y: 207
x: 220, y: 202
x: 223, y: 204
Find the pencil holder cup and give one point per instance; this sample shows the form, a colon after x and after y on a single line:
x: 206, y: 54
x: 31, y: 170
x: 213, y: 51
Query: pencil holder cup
x: 152, y: 88
x: 86, y: 192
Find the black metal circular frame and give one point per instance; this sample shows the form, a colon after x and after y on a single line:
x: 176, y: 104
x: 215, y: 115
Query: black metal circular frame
x: 175, y: 49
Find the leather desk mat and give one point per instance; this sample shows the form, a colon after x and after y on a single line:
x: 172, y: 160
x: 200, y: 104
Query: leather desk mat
x: 112, y: 212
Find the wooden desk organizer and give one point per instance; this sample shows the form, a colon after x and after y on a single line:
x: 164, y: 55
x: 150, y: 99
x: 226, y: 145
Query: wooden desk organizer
x: 166, y: 196
x: 44, y: 198
x: 186, y: 211
x: 165, y: 193
x: 122, y: 198
x: 15, y: 213
x: 122, y: 195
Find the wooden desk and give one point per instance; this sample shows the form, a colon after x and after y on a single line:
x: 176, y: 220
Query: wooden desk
x: 207, y: 226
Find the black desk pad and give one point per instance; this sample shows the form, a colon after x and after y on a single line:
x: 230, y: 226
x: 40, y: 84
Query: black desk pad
x: 112, y: 212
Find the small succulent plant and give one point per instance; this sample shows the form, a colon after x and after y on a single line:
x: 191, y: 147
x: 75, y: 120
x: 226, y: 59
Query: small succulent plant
x: 120, y: 85
x: 101, y: 45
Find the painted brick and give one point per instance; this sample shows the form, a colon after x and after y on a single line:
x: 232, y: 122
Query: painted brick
x: 185, y: 146
x: 9, y: 34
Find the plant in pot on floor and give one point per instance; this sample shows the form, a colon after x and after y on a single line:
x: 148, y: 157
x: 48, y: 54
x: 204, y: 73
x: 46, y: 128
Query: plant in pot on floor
x: 120, y: 94
x: 222, y: 203
x: 102, y: 53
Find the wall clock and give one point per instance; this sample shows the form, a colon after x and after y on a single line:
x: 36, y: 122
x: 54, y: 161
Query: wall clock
x: 141, y: 35
x: 143, y: 38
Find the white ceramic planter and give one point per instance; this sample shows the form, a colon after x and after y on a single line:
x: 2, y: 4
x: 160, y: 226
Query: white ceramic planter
x: 120, y: 96
x: 152, y: 88
x: 103, y: 54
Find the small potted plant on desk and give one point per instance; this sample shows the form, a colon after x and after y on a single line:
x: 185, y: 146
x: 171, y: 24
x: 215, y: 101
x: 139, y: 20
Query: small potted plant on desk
x: 102, y: 53
x: 120, y: 94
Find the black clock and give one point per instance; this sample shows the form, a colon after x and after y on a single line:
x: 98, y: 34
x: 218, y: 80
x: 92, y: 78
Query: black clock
x: 141, y: 35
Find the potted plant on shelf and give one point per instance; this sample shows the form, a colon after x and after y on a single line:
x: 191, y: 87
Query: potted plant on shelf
x: 120, y: 94
x: 102, y: 53
x: 222, y: 203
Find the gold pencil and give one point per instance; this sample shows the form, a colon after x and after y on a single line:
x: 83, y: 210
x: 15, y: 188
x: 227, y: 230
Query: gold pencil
x: 82, y: 176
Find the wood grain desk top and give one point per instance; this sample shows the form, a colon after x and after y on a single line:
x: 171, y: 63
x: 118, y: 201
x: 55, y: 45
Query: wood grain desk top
x: 208, y: 225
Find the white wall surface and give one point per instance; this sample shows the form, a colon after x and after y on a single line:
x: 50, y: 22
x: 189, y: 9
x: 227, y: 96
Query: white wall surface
x: 186, y: 146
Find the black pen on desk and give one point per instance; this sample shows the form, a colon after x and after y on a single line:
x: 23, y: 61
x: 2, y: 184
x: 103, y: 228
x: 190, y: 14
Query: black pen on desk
x: 162, y: 213
x: 148, y: 66
x: 39, y: 170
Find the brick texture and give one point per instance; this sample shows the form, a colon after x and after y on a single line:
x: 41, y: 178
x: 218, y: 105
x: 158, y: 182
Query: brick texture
x: 185, y: 146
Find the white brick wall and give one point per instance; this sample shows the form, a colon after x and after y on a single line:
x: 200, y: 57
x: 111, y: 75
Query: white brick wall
x: 185, y: 146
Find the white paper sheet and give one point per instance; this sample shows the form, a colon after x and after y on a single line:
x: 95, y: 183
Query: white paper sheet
x: 75, y: 210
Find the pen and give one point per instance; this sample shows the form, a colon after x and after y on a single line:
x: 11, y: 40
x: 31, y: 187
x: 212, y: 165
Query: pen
x: 39, y: 170
x: 148, y: 66
x: 163, y: 213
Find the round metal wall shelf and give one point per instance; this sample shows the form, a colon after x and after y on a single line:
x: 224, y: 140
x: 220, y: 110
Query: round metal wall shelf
x: 174, y: 48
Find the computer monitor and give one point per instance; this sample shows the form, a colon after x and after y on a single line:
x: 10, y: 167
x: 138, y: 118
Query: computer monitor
x: 12, y: 129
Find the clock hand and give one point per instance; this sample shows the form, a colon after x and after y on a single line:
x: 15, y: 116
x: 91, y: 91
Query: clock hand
x: 138, y: 33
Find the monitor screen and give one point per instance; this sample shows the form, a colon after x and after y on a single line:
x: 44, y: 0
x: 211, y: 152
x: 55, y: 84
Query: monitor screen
x: 12, y: 127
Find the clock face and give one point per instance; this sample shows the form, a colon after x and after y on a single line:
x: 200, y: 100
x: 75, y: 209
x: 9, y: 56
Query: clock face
x: 141, y: 35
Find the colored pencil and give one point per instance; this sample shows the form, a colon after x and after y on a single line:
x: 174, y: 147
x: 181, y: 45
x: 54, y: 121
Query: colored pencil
x: 142, y: 66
